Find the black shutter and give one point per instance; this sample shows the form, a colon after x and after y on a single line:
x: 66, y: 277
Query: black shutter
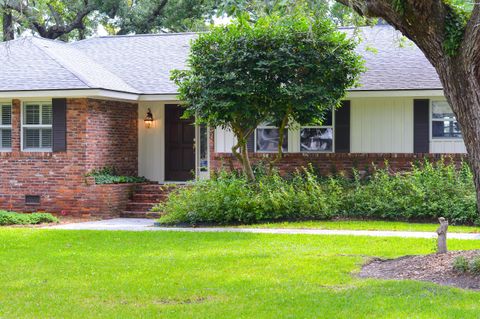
x: 421, y: 126
x: 251, y: 142
x: 342, y: 128
x: 59, y: 125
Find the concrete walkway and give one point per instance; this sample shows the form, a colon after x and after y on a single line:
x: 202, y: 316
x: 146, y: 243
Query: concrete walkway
x: 136, y: 224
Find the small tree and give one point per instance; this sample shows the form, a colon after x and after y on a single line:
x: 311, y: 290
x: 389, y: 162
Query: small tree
x: 280, y: 71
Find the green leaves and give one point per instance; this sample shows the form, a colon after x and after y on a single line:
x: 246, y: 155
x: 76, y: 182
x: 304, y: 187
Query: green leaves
x: 12, y: 218
x: 427, y: 192
x: 108, y: 175
x: 246, y: 73
x: 455, y: 24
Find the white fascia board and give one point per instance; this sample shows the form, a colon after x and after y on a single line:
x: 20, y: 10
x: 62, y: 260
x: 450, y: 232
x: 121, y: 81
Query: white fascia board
x: 93, y: 93
x: 99, y: 93
x: 158, y: 97
x: 399, y: 93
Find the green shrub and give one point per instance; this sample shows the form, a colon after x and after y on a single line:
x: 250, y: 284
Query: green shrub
x: 461, y: 264
x: 12, y: 218
x: 108, y: 175
x: 230, y: 199
x: 475, y: 265
x: 427, y: 192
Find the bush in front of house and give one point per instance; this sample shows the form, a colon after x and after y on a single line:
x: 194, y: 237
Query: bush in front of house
x: 12, y: 218
x: 427, y: 192
x: 108, y: 175
x: 230, y: 199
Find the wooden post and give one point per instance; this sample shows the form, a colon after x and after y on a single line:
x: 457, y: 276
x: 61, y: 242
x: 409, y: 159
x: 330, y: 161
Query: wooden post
x: 442, y: 236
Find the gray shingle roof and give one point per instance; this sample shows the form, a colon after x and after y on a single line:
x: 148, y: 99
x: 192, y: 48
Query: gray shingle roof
x: 25, y: 66
x: 142, y: 63
x: 393, y: 62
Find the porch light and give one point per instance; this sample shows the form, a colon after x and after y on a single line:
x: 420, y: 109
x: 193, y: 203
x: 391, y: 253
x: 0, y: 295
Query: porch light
x: 149, y: 119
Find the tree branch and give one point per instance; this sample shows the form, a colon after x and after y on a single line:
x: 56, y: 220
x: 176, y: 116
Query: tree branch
x: 59, y: 28
x: 472, y: 34
x: 423, y: 21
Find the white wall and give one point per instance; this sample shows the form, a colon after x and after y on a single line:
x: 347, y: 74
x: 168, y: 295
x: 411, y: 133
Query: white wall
x: 151, y: 142
x: 447, y: 146
x: 381, y: 125
x: 224, y: 140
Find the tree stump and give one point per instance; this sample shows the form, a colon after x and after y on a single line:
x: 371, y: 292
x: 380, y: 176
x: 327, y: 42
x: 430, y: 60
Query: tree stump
x: 442, y: 236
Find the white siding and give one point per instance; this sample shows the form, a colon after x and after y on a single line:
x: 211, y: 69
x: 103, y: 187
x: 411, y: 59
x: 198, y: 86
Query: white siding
x: 224, y: 140
x: 381, y: 125
x: 446, y: 146
x: 151, y: 142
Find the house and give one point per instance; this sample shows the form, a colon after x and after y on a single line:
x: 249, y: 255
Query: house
x: 67, y: 109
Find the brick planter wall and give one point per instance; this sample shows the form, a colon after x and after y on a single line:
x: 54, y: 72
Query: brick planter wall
x: 328, y: 163
x: 99, y: 133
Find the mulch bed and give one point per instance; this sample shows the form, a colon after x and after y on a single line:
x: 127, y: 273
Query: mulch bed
x: 437, y: 268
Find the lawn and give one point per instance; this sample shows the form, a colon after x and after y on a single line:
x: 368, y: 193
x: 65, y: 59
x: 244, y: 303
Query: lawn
x: 79, y: 274
x: 364, y: 225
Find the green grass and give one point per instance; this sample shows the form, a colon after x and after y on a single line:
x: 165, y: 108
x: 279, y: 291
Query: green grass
x: 364, y: 225
x: 84, y: 274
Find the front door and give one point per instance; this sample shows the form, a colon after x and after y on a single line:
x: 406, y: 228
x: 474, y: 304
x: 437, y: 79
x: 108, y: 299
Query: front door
x: 179, y: 145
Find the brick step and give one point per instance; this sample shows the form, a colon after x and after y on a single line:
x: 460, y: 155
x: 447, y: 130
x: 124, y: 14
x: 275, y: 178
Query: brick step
x: 156, y: 187
x: 135, y: 206
x: 145, y: 197
x: 148, y: 198
x: 140, y: 214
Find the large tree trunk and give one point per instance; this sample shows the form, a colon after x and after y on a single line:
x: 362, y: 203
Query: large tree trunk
x: 8, y: 26
x: 462, y: 90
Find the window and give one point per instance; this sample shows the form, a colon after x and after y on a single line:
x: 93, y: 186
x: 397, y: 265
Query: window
x: 444, y: 124
x: 203, y: 148
x: 318, y: 138
x: 5, y: 127
x: 268, y: 137
x: 37, y: 127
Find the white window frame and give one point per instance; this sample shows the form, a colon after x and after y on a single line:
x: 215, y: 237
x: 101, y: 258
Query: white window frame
x: 431, y: 119
x: 271, y: 127
x: 2, y: 104
x: 198, y: 144
x: 35, y: 126
x: 319, y: 127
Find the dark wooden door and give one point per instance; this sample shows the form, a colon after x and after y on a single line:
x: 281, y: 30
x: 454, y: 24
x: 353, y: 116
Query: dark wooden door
x: 179, y: 145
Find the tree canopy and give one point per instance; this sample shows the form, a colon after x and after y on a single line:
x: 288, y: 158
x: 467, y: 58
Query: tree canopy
x: 77, y: 19
x: 281, y: 71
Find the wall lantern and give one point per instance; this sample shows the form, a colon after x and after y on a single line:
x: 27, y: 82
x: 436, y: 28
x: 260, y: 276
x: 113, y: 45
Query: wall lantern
x: 149, y: 119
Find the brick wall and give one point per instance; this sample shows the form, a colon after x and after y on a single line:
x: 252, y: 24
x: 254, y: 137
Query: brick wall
x: 59, y: 178
x: 112, y: 135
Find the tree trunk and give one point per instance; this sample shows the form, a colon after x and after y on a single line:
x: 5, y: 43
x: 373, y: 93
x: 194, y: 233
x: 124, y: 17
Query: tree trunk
x: 242, y: 157
x: 461, y: 82
x: 442, y: 236
x: 247, y: 166
x: 8, y: 27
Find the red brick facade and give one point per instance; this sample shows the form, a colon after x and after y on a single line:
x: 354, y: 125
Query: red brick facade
x: 330, y: 163
x: 99, y: 133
